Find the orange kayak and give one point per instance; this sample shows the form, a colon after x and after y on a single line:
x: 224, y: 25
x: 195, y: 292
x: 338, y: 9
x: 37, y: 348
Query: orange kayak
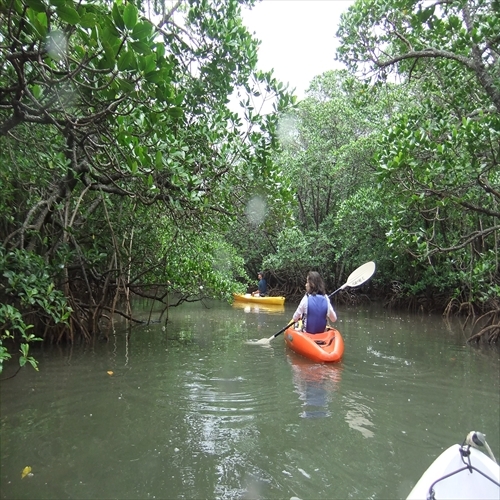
x: 326, y: 347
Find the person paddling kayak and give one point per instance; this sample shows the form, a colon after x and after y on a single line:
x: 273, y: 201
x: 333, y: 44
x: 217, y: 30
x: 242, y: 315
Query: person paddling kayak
x: 262, y: 285
x: 315, y: 307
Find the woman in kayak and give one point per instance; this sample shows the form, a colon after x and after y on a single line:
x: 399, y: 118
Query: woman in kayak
x: 315, y: 307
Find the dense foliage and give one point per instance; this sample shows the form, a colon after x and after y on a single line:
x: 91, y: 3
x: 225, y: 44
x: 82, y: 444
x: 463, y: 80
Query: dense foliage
x: 398, y: 160
x: 122, y: 158
x: 340, y: 218
x: 125, y: 170
x: 438, y: 160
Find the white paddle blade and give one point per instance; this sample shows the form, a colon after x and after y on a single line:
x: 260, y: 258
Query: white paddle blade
x: 259, y: 342
x: 361, y: 274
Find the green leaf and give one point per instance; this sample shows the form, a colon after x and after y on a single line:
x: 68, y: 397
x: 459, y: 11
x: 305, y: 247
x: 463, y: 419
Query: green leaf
x: 117, y: 17
x: 454, y: 22
x: 37, y: 5
x: 160, y: 94
x: 130, y: 15
x: 37, y: 28
x: 18, y: 6
x: 88, y: 20
x: 68, y: 14
x: 127, y: 61
x: 110, y: 34
x: 160, y: 50
x: 154, y: 76
x: 125, y: 85
x: 159, y: 160
x: 33, y: 363
x: 110, y: 54
x: 148, y: 63
x: 176, y: 112
x: 142, y: 31
x: 36, y: 91
x: 104, y: 63
x: 141, y: 47
x: 425, y: 14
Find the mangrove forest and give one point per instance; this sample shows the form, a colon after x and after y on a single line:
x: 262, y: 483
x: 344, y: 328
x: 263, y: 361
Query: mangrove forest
x: 144, y: 156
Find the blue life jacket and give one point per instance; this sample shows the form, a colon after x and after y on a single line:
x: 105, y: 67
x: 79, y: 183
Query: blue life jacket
x: 317, y: 310
x: 262, y: 286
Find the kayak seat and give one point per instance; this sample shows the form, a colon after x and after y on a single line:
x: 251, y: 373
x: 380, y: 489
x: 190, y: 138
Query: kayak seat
x: 322, y: 343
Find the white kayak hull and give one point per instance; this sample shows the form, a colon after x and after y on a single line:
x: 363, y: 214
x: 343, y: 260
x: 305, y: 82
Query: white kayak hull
x: 464, y: 485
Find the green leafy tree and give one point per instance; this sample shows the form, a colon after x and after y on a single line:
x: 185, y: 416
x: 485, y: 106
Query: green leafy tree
x: 329, y: 157
x: 439, y: 158
x: 116, y: 131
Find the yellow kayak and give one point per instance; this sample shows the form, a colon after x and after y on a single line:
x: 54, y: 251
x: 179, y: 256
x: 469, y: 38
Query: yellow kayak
x: 256, y: 299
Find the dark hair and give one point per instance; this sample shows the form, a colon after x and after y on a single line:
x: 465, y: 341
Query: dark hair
x: 316, y: 284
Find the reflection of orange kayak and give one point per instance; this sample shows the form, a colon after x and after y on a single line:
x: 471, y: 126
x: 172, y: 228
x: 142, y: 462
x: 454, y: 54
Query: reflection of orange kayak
x: 315, y: 383
x: 308, y: 371
x: 249, y: 298
x: 326, y: 347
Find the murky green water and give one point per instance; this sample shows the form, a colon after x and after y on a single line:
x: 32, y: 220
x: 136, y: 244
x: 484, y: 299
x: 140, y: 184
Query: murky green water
x: 194, y: 412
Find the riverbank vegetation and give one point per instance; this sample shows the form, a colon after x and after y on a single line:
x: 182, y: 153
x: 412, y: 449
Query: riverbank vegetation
x: 126, y: 170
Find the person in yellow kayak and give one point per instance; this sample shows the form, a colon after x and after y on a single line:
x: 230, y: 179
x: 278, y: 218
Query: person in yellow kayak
x: 315, y: 307
x: 262, y: 285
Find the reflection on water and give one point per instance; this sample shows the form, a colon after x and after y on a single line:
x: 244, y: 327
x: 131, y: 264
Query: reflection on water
x: 378, y: 354
x: 358, y: 415
x: 315, y: 384
x: 259, y: 308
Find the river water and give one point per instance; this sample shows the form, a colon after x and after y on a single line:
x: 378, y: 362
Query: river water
x: 193, y: 411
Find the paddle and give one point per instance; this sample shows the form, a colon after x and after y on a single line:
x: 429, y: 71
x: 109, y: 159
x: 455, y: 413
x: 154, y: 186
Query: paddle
x: 357, y: 277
